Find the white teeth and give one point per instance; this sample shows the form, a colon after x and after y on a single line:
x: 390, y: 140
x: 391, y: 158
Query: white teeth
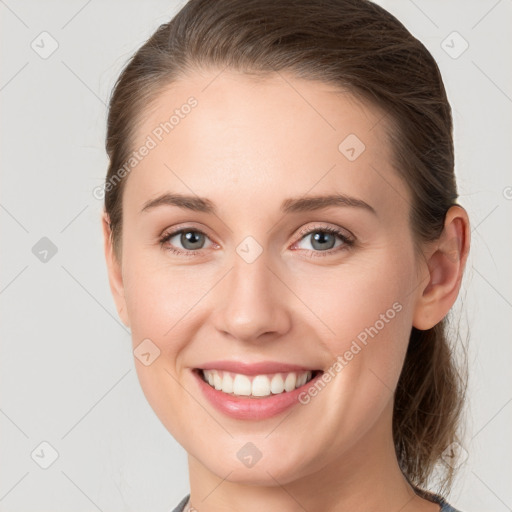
x: 260, y: 385
x: 277, y: 384
x: 241, y: 385
x: 227, y: 383
x: 217, y: 381
x: 289, y: 383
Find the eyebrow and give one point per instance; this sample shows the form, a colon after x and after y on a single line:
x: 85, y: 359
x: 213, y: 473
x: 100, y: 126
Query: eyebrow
x: 292, y: 205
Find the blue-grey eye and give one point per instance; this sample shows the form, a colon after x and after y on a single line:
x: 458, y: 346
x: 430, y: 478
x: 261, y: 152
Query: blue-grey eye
x: 323, y: 239
x: 192, y: 240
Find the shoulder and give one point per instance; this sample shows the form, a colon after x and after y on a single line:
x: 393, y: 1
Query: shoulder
x: 436, y: 498
x: 446, y: 507
x: 183, y: 502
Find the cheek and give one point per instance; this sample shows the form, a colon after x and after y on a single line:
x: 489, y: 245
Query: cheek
x: 364, y: 321
x: 364, y: 310
x: 160, y: 303
x: 348, y: 299
x: 158, y: 295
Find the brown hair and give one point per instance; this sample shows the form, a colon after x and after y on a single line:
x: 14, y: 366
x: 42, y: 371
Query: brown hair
x: 357, y: 46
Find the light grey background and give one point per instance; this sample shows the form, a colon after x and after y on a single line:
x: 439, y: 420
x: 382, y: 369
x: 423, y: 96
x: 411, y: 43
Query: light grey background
x: 67, y: 371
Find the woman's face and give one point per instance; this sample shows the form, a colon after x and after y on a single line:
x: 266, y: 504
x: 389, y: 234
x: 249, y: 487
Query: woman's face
x: 267, y: 282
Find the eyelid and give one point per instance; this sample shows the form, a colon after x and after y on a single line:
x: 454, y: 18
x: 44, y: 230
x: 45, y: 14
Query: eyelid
x: 174, y: 230
x: 325, y: 227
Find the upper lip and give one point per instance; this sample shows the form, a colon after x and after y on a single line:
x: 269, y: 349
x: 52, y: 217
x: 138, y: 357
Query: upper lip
x: 254, y: 368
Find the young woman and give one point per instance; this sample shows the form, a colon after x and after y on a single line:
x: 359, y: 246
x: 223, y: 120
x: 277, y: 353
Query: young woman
x: 243, y: 136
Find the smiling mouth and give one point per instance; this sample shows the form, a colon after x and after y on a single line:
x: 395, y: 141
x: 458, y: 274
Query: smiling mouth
x: 256, y: 386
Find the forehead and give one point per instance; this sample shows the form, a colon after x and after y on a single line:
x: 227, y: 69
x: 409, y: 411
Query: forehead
x: 224, y: 132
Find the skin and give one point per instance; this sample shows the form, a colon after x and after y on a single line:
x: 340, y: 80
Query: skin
x: 247, y: 146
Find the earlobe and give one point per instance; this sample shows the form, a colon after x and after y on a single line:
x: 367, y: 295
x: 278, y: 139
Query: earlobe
x: 445, y: 264
x: 114, y: 270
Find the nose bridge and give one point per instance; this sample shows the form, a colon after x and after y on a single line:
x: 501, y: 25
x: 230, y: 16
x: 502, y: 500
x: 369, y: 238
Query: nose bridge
x: 252, y: 302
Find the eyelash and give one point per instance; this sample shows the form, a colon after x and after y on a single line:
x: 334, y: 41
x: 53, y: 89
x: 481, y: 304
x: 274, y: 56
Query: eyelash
x: 347, y: 242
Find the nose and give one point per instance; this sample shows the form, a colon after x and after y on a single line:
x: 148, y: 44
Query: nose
x: 251, y: 305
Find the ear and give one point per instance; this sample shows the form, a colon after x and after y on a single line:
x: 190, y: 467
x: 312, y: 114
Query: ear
x: 115, y: 276
x: 445, y: 264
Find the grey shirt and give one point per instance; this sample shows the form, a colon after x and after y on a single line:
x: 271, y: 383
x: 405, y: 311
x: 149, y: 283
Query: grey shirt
x: 445, y: 507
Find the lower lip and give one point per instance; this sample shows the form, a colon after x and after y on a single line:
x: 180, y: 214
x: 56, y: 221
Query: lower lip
x: 247, y: 408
